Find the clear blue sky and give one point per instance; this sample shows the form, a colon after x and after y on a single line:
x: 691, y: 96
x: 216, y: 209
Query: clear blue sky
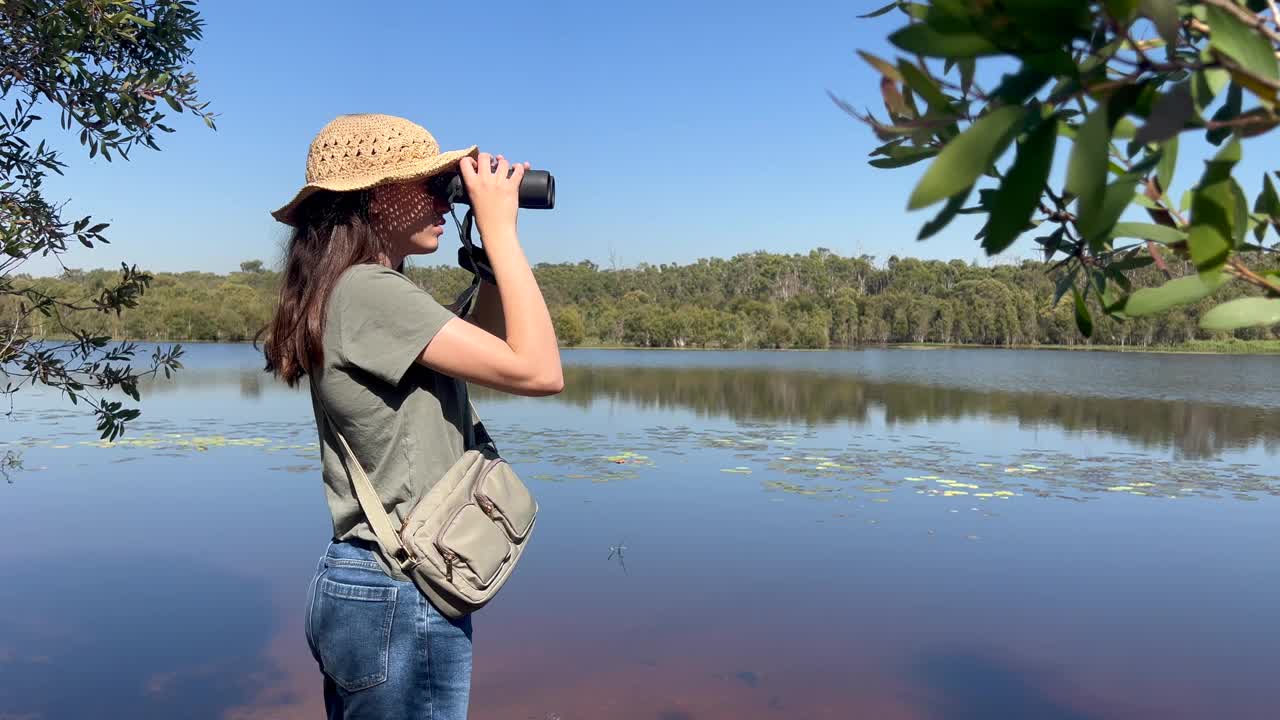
x: 676, y: 130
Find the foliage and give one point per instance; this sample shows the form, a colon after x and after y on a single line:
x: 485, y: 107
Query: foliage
x: 103, y: 66
x: 570, y: 327
x: 1119, y: 83
x: 755, y: 300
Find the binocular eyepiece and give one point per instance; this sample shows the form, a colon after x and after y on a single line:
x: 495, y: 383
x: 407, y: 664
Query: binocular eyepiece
x: 537, y: 189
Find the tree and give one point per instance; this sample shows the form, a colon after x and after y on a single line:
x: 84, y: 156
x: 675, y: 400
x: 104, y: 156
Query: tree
x: 571, y: 328
x: 779, y: 334
x: 104, y: 66
x: 950, y: 302
x: 844, y: 317
x: 1121, y: 82
x: 812, y: 330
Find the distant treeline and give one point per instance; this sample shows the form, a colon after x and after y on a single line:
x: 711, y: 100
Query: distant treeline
x: 756, y: 300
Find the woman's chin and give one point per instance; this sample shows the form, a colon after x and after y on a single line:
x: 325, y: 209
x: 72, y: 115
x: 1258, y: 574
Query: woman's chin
x: 427, y: 242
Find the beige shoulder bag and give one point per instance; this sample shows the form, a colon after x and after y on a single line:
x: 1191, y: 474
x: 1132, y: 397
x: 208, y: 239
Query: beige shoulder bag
x: 463, y: 538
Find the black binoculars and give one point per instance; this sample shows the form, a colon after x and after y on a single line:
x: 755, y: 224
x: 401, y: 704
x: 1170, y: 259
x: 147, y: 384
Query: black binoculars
x: 537, y: 189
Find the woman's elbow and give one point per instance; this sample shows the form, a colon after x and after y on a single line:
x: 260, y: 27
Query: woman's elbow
x: 551, y: 384
x: 547, y: 382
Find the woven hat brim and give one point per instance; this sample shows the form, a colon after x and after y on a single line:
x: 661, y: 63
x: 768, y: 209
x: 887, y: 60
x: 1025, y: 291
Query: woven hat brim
x: 418, y: 171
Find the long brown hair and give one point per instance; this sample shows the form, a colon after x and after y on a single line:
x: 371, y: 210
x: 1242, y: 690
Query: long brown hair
x: 331, y: 234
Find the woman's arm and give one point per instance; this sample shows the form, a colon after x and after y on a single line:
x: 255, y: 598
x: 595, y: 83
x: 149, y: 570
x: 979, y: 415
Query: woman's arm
x: 527, y: 360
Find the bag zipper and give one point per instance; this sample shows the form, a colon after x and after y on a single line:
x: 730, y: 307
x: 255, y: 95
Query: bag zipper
x: 451, y: 558
x: 483, y: 500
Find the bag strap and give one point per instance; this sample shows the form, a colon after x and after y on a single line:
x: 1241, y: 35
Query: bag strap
x: 385, y: 531
x: 370, y: 503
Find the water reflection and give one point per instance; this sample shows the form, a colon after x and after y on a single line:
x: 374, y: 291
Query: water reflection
x: 145, y: 635
x: 966, y: 684
x: 776, y: 564
x: 1197, y: 430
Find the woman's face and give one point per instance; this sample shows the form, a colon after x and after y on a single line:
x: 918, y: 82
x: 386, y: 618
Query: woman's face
x: 408, y: 217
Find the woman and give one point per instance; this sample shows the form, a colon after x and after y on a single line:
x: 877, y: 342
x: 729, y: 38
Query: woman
x: 390, y: 364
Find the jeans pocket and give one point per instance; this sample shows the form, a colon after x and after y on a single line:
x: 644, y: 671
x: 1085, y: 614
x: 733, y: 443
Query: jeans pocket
x: 351, y: 628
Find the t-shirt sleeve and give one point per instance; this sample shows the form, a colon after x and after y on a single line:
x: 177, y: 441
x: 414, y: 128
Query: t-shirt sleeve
x: 385, y: 321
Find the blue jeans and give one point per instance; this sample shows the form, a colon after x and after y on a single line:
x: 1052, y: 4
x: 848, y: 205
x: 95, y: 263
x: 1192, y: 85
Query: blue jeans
x: 384, y: 649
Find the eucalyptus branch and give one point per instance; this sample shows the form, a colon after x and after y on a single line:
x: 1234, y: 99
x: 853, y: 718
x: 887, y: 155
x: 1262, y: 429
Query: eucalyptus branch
x: 1255, y: 22
x: 1107, y: 76
x: 1236, y: 267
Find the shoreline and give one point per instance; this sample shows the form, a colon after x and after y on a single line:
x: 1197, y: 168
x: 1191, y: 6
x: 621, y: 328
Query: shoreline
x: 1206, y: 347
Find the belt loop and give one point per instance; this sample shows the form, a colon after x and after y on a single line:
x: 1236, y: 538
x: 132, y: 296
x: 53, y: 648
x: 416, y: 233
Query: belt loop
x: 324, y: 556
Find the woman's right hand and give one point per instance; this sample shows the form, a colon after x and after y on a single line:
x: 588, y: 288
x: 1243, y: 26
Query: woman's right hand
x: 527, y: 360
x: 495, y: 197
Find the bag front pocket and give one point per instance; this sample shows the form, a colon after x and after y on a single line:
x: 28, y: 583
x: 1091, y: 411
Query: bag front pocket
x: 351, y: 626
x: 472, y: 543
x: 513, y: 505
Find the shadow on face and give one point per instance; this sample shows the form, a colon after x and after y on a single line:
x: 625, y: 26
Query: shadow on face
x: 407, y: 217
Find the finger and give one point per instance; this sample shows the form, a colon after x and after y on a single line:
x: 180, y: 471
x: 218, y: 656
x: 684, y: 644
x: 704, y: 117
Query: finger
x: 518, y: 172
x: 484, y: 162
x: 503, y: 167
x: 467, y: 167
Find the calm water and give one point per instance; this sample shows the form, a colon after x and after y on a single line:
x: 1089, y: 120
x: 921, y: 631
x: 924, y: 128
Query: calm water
x: 947, y: 535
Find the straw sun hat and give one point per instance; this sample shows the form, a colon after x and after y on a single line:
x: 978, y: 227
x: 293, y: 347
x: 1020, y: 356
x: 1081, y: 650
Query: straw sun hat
x: 357, y: 152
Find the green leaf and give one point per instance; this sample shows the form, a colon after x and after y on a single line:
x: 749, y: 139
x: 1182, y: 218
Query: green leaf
x: 1083, y: 320
x: 1148, y: 231
x: 1020, y: 191
x: 1230, y: 110
x: 1206, y: 84
x: 967, y: 68
x: 967, y: 156
x: 1169, y: 115
x: 921, y: 39
x: 1121, y: 10
x: 1244, y: 312
x: 1267, y: 206
x: 1181, y: 291
x: 1052, y: 243
x: 1115, y: 199
x: 1240, y: 221
x: 924, y: 86
x: 1015, y: 88
x: 878, y: 13
x: 1214, y: 209
x: 919, y: 11
x: 1113, y: 271
x: 904, y: 159
x: 1065, y: 283
x: 1164, y: 13
x: 1230, y: 36
x: 1168, y: 164
x: 1087, y: 170
x: 1133, y: 262
x: 1268, y: 202
x: 949, y: 211
x: 884, y: 67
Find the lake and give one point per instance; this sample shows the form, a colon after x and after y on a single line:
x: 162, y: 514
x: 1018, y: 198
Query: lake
x: 884, y: 534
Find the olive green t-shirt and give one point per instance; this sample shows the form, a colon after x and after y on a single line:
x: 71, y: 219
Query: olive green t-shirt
x: 404, y: 421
